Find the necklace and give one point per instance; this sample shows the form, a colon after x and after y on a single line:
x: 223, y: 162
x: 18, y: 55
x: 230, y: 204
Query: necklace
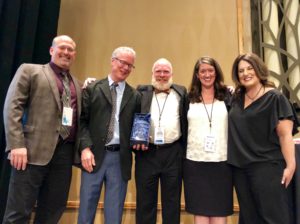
x: 211, y: 111
x: 253, y: 98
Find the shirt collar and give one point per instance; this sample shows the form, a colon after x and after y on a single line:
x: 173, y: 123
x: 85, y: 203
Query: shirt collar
x: 57, y: 69
x: 121, y: 84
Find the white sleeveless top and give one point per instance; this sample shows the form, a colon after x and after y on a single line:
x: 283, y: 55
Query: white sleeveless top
x: 198, y: 128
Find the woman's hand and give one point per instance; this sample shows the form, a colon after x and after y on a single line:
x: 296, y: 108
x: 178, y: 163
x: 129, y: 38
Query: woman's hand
x: 287, y: 176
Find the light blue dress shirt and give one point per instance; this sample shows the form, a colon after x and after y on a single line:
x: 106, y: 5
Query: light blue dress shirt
x: 120, y: 90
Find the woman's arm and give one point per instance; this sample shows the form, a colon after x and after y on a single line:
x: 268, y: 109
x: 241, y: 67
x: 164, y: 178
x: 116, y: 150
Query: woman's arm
x: 284, y: 132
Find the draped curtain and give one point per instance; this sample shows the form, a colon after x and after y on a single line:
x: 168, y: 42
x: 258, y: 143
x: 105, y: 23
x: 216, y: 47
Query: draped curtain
x: 27, y: 28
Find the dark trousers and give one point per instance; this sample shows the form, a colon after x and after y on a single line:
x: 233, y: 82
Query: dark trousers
x: 47, y: 185
x: 165, y: 165
x: 262, y: 198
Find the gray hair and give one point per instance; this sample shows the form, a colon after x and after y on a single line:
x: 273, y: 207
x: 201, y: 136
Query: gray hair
x: 121, y: 50
x: 162, y: 61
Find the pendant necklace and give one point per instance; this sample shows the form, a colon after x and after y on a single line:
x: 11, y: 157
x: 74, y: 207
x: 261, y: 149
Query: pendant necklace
x: 253, y: 98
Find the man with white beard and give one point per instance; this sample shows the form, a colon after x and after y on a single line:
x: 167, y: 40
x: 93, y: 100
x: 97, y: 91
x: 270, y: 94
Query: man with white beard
x: 161, y: 160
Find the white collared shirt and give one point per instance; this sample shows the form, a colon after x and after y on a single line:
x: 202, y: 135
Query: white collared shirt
x: 170, y: 117
x: 120, y: 90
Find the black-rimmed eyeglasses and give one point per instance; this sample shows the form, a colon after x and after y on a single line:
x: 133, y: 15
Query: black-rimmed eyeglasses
x: 122, y: 62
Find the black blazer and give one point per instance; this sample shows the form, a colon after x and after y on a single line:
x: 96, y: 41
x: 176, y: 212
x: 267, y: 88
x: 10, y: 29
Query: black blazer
x: 146, y: 92
x: 95, y: 117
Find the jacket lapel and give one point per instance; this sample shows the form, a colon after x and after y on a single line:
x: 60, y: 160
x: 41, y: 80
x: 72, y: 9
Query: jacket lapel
x: 78, y: 95
x: 147, y: 99
x: 104, y: 86
x: 178, y: 90
x: 50, y: 75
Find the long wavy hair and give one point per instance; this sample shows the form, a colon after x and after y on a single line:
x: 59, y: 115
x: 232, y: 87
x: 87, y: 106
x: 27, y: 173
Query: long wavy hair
x: 259, y: 67
x: 196, y: 86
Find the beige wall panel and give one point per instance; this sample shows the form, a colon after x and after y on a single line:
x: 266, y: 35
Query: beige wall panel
x: 181, y: 31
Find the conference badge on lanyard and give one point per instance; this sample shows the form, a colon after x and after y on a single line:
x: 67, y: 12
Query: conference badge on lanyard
x: 67, y: 116
x: 210, y: 143
x: 159, y: 135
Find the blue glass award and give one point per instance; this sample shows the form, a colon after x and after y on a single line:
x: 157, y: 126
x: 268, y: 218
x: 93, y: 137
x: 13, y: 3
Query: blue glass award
x: 140, y: 129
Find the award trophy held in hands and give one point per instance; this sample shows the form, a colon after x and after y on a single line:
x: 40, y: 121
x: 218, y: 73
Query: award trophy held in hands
x: 140, y: 129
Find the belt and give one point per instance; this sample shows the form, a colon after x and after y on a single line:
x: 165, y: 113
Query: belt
x: 112, y: 148
x: 161, y: 146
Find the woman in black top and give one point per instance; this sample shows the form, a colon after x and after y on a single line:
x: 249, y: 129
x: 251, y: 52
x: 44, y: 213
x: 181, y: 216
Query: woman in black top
x: 260, y: 144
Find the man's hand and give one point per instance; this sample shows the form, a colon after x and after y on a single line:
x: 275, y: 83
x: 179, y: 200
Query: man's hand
x: 18, y: 158
x: 231, y: 89
x: 87, y: 82
x: 88, y: 160
x: 140, y: 147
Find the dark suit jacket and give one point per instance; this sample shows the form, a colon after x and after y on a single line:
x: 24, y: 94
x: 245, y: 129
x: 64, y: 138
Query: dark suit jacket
x: 95, y: 117
x: 34, y: 90
x: 146, y: 92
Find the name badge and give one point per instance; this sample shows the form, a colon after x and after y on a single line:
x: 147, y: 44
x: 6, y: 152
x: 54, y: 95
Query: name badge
x: 67, y: 116
x: 159, y: 135
x: 210, y: 143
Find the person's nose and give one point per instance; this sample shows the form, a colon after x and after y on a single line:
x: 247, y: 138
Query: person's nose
x: 127, y: 66
x: 245, y: 72
x: 206, y: 73
x: 163, y: 75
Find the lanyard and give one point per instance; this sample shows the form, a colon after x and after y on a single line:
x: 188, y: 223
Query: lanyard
x: 161, y: 111
x: 209, y: 117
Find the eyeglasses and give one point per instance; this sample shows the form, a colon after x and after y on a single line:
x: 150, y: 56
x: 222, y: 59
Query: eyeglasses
x: 122, y: 62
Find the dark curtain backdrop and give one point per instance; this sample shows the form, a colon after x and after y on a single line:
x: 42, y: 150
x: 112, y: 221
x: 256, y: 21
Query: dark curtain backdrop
x: 27, y: 28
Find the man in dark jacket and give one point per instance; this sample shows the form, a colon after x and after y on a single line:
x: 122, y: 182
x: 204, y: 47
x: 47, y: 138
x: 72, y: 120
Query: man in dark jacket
x: 162, y: 159
x: 108, y: 107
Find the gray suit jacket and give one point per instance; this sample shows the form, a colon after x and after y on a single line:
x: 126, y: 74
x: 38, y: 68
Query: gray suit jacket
x: 34, y: 91
x: 95, y: 117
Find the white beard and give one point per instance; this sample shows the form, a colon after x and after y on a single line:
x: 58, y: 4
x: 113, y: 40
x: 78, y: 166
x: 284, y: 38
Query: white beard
x: 162, y: 86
